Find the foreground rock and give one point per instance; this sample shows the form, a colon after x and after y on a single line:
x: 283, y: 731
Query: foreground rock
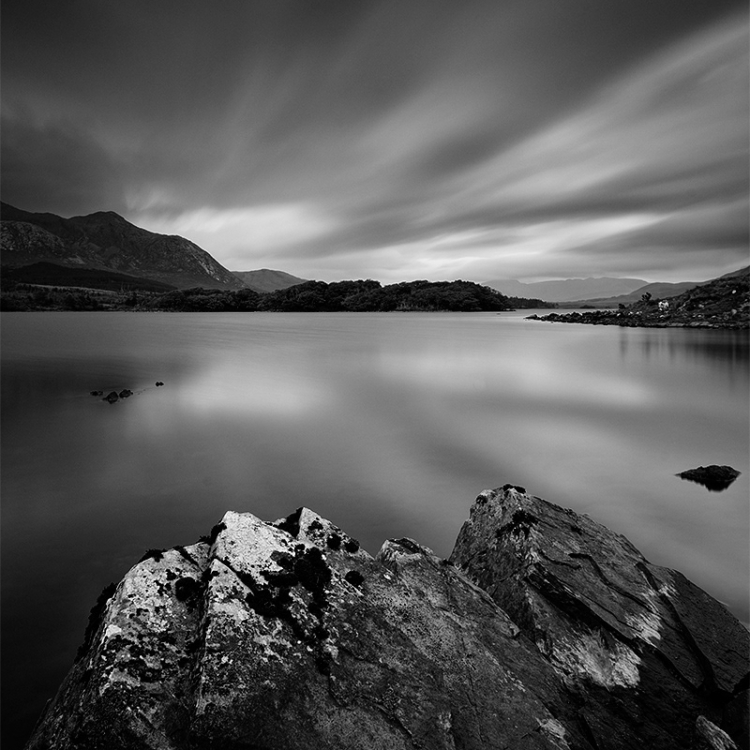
x: 714, y: 478
x: 544, y: 630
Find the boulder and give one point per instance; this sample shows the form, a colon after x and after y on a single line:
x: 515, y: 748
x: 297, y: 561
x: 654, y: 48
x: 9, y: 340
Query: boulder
x: 111, y: 397
x: 714, y: 478
x: 645, y: 649
x: 288, y: 635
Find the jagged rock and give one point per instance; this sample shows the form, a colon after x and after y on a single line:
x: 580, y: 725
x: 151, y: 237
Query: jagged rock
x: 709, y: 737
x: 125, y: 393
x: 111, y: 397
x: 288, y: 635
x: 647, y: 649
x: 714, y: 478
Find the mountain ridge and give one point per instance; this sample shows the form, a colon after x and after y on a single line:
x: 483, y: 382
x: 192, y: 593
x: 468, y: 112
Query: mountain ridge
x: 566, y: 290
x: 106, y: 241
x: 268, y: 279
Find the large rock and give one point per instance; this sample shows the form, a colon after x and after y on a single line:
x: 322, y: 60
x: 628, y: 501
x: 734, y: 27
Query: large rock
x: 714, y: 478
x: 288, y: 635
x: 646, y: 649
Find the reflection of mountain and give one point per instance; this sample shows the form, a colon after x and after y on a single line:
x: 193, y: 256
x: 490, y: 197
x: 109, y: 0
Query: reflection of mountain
x: 107, y: 242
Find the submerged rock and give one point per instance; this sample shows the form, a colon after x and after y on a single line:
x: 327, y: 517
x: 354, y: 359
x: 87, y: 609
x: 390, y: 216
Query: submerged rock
x: 111, y: 397
x: 714, y: 478
x: 544, y: 630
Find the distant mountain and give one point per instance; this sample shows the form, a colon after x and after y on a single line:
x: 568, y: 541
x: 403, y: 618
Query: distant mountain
x: 658, y: 290
x: 565, y: 290
x: 719, y: 303
x: 105, y: 241
x: 267, y: 280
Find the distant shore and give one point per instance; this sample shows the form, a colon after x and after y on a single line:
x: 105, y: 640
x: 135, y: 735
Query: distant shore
x: 638, y: 319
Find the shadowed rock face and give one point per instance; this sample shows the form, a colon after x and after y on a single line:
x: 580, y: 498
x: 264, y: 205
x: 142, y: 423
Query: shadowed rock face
x: 545, y: 630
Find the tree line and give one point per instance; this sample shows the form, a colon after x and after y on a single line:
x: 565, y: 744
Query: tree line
x: 311, y: 296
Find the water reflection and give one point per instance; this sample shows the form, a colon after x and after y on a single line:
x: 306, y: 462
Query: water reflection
x: 720, y: 347
x: 387, y: 424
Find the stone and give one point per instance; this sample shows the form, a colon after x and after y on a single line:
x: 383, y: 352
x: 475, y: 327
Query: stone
x: 543, y: 630
x: 111, y: 397
x: 709, y: 737
x: 714, y: 478
x: 125, y: 393
x: 646, y: 649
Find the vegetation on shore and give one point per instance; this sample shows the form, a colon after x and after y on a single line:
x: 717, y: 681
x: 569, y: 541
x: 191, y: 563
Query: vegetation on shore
x: 311, y: 296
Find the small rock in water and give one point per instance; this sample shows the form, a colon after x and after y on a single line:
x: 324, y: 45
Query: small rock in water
x: 714, y: 478
x: 158, y: 383
x: 97, y: 393
x: 125, y: 392
x: 111, y: 397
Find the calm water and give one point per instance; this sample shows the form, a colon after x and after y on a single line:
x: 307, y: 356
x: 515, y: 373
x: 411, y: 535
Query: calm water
x: 388, y: 424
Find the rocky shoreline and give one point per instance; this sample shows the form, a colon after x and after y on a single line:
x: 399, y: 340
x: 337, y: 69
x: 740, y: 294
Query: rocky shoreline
x: 722, y: 303
x: 543, y: 629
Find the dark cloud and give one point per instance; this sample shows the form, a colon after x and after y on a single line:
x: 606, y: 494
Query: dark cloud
x: 343, y: 136
x: 55, y: 165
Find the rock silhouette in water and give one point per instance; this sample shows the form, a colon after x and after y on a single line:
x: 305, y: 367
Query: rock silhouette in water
x: 111, y: 397
x: 542, y: 630
x: 714, y: 478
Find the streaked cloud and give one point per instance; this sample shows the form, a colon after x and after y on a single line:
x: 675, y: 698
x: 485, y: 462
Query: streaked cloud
x: 393, y: 140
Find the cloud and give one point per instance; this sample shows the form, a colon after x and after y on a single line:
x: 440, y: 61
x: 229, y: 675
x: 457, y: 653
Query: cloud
x: 258, y: 231
x: 56, y: 164
x: 390, y: 139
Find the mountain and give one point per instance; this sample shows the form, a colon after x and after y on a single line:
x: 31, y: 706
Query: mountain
x: 720, y: 303
x: 658, y: 290
x: 107, y: 242
x: 267, y: 280
x: 566, y: 290
x: 51, y: 274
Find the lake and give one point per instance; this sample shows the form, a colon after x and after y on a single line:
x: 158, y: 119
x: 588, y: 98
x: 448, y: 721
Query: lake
x: 388, y: 424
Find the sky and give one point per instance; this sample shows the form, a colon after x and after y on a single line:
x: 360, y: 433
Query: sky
x: 396, y: 139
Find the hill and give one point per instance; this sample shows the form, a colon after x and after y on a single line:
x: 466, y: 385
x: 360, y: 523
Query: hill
x: 567, y: 290
x: 720, y: 303
x: 268, y: 280
x: 108, y: 242
x: 658, y: 290
x: 51, y: 274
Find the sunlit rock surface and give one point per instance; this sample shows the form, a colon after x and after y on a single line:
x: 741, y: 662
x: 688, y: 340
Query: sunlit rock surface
x: 544, y: 630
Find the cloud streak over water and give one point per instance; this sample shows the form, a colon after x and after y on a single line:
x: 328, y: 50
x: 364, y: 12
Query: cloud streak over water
x: 393, y: 139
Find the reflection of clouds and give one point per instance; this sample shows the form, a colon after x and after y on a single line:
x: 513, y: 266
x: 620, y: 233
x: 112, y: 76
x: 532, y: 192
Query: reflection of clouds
x: 532, y: 376
x: 254, y: 388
